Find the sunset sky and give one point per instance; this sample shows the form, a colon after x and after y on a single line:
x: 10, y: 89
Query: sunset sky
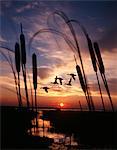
x: 55, y: 58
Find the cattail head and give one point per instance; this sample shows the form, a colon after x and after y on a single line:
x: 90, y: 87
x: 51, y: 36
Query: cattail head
x: 100, y: 61
x: 92, y: 54
x: 17, y: 56
x: 81, y: 78
x: 34, y: 64
x: 23, y: 48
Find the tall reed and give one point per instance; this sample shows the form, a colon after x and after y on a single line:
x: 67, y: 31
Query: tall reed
x: 99, y: 58
x: 81, y: 78
x: 82, y: 83
x: 34, y: 67
x: 34, y: 64
x: 94, y: 63
x: 92, y: 54
x: 102, y: 72
x: 17, y: 64
x: 23, y: 63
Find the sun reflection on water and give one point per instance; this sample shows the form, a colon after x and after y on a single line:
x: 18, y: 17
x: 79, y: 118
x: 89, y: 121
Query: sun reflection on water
x: 44, y: 130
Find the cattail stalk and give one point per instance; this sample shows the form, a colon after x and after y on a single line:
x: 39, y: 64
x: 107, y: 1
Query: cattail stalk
x: 23, y: 62
x: 99, y: 58
x: 91, y: 53
x: 34, y: 64
x: 94, y: 63
x: 102, y: 72
x: 77, y: 47
x: 17, y: 64
x: 83, y: 84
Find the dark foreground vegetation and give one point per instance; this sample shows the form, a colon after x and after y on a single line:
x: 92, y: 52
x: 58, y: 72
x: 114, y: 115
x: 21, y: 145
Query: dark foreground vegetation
x: 90, y: 129
x: 14, y: 125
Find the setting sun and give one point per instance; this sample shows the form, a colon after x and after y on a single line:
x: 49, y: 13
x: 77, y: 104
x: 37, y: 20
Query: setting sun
x: 61, y: 104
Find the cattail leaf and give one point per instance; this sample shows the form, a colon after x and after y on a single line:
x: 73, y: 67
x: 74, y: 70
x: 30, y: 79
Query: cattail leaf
x: 92, y: 54
x: 34, y: 64
x: 100, y: 61
x: 17, y: 57
x: 80, y: 78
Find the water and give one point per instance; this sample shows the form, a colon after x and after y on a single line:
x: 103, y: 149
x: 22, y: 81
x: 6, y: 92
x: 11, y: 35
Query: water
x: 46, y: 129
x: 77, y: 129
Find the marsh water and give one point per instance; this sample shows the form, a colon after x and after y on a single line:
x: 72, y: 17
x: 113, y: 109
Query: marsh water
x: 46, y: 129
x: 76, y: 129
x: 58, y: 129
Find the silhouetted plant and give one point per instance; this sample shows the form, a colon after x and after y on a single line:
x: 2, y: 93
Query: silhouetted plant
x: 23, y: 47
x: 102, y: 71
x: 17, y: 64
x: 17, y: 57
x: 34, y: 66
x: 82, y: 83
x: 92, y: 54
x: 99, y: 58
x: 23, y: 62
x: 81, y: 78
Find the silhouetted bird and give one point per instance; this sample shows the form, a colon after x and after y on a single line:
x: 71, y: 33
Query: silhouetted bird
x: 45, y: 88
x: 60, y: 79
x: 55, y: 82
x: 72, y: 75
x: 69, y: 83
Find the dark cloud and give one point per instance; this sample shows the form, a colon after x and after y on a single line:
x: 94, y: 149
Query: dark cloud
x: 109, y: 40
x: 44, y: 72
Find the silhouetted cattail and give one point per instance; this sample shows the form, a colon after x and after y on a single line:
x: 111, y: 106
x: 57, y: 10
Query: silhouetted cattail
x: 102, y: 71
x: 81, y: 78
x: 17, y: 57
x: 23, y: 48
x: 92, y: 54
x: 23, y: 62
x: 34, y: 64
x: 17, y: 64
x: 100, y: 61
